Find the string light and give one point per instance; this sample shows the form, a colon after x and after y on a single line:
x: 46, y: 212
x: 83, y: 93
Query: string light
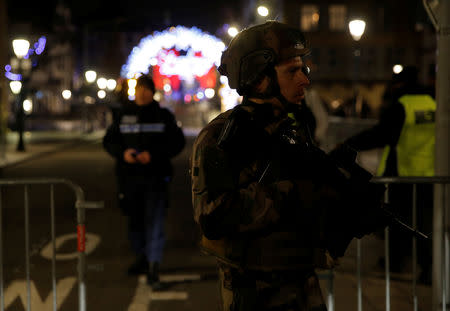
x: 201, y: 52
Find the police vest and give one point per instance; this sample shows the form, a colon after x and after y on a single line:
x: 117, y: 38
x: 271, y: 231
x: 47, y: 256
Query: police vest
x: 415, y: 146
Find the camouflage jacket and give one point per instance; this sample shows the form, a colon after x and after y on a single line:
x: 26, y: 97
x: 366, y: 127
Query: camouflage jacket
x: 246, y: 221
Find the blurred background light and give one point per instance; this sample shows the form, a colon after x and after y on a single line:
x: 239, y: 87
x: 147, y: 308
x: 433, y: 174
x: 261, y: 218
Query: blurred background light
x: 232, y: 31
x: 15, y: 86
x: 20, y: 47
x: 66, y: 94
x: 209, y: 93
x: 263, y: 11
x: 167, y: 87
x: 90, y: 76
x: 101, y: 94
x: 111, y: 84
x: 356, y: 28
x: 397, y: 68
x: 102, y: 83
x: 27, y: 105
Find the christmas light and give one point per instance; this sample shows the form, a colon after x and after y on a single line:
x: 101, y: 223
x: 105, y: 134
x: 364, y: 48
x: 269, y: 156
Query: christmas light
x: 201, y: 51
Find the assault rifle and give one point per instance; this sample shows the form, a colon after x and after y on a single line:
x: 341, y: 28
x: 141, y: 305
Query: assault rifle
x: 359, y: 211
x: 356, y: 211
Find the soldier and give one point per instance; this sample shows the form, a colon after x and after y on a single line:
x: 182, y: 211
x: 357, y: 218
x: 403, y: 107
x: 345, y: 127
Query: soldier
x: 257, y: 199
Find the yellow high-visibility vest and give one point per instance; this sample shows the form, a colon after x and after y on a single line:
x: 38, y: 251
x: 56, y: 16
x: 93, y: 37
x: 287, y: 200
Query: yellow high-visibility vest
x: 415, y: 146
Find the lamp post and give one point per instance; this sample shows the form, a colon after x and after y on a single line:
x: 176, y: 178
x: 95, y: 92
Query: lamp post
x: 87, y: 97
x: 21, y: 47
x: 356, y: 28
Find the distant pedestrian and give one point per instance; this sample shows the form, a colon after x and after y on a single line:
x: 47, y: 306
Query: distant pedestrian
x: 143, y: 139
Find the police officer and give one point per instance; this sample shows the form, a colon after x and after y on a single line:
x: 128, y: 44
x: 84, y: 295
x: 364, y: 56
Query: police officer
x: 261, y: 223
x: 143, y: 139
x: 406, y: 132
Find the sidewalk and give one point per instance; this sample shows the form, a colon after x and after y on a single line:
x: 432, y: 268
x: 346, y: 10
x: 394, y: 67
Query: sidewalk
x: 39, y: 143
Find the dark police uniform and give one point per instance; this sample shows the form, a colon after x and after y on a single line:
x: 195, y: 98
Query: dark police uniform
x: 144, y: 187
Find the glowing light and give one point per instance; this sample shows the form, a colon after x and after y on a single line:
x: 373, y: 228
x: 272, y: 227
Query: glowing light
x: 336, y: 103
x: 8, y: 67
x: 229, y: 97
x: 111, y: 84
x: 40, y: 45
x: 90, y: 76
x: 101, y: 94
x: 89, y: 100
x: 27, y: 105
x: 20, y: 47
x: 223, y: 79
x: 397, y: 68
x: 315, y: 17
x: 203, y: 51
x: 132, y: 83
x: 232, y: 31
x: 167, y: 88
x: 209, y: 93
x: 263, y: 11
x: 187, y: 98
x: 131, y: 92
x: 102, y: 83
x: 13, y: 76
x: 200, y: 95
x: 157, y: 96
x: 356, y: 28
x: 131, y: 97
x: 66, y: 94
x: 15, y: 86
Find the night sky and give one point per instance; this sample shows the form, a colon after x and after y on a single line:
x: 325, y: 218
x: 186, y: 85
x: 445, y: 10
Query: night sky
x: 128, y: 15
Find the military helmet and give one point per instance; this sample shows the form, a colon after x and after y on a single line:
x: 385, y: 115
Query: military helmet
x: 256, y: 49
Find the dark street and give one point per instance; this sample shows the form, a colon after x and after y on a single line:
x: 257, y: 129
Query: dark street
x: 189, y: 273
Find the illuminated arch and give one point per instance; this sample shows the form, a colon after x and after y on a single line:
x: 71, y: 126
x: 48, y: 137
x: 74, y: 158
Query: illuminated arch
x: 179, y: 51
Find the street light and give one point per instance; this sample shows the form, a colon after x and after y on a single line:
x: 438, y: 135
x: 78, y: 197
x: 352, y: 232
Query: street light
x: 102, y: 83
x: 397, y: 68
x: 15, y: 86
x: 66, y: 94
x: 20, y: 47
x: 232, y: 31
x: 263, y: 11
x: 357, y: 27
x: 90, y: 76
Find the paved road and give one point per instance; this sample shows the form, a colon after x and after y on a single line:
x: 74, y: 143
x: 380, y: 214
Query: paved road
x: 191, y: 274
x: 108, y: 286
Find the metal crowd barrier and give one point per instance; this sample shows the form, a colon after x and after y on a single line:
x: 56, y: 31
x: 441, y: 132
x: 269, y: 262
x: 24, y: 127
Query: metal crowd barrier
x: 441, y: 239
x: 80, y: 205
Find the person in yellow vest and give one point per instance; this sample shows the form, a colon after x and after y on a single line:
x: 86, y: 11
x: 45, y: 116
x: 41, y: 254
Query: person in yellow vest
x: 406, y: 132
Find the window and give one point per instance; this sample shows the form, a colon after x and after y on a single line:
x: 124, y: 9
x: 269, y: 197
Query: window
x: 309, y: 17
x: 337, y: 17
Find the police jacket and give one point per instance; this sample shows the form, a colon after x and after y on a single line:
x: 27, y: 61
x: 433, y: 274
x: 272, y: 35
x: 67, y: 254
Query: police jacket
x: 247, y: 222
x: 144, y: 128
x: 386, y: 132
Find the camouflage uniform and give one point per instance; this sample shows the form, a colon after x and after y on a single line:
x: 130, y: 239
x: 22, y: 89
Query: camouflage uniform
x: 261, y: 233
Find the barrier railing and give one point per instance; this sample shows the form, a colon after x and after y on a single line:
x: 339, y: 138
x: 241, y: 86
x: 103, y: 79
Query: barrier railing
x: 442, y: 240
x: 80, y: 205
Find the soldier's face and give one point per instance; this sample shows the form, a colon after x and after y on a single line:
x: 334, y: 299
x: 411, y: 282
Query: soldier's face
x: 143, y: 96
x: 291, y: 79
